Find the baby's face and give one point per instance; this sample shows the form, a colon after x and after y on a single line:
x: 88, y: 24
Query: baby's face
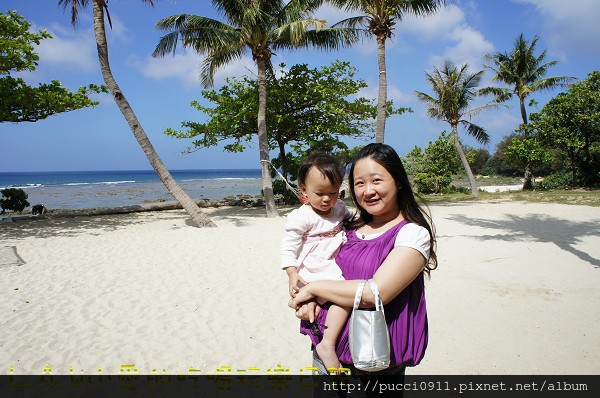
x: 321, y: 193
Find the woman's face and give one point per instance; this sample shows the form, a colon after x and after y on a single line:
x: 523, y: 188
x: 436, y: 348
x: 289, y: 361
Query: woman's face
x: 375, y: 188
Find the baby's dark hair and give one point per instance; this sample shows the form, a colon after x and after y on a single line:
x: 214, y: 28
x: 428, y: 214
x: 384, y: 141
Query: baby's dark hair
x: 327, y: 164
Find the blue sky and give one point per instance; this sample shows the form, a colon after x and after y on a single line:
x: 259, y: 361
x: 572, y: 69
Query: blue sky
x: 160, y: 90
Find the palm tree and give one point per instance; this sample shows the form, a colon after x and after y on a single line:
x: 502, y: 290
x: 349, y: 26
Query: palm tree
x: 454, y: 88
x: 524, y: 73
x: 379, y: 20
x: 99, y: 8
x: 261, y: 27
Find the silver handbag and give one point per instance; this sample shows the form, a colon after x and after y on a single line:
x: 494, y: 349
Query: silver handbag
x: 369, y: 336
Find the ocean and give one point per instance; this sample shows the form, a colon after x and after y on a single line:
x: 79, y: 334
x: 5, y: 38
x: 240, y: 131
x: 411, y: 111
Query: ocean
x: 91, y: 189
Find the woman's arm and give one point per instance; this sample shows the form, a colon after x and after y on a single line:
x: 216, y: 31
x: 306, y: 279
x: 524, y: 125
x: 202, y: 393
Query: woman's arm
x: 398, y: 270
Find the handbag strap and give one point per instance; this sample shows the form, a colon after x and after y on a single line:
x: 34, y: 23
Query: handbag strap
x: 358, y: 295
x: 359, y: 292
x: 378, y: 302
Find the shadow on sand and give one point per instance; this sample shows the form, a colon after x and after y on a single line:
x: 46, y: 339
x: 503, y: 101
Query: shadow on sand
x: 540, y: 228
x: 71, y: 225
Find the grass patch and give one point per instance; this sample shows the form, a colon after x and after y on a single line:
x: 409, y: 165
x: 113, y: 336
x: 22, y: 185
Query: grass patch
x: 569, y: 197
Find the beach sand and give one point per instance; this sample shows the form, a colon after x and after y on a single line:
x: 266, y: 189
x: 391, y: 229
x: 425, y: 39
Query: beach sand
x: 516, y: 292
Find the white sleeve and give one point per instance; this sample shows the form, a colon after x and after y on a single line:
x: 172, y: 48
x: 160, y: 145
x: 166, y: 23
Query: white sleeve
x: 295, y: 228
x: 416, y: 237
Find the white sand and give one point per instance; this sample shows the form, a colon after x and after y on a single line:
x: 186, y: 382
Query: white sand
x: 516, y: 292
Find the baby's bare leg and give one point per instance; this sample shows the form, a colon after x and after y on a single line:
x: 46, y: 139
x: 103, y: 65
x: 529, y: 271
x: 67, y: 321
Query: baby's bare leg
x: 335, y: 321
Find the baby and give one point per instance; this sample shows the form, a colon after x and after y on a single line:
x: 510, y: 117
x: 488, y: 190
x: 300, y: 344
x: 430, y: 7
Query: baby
x: 314, y: 234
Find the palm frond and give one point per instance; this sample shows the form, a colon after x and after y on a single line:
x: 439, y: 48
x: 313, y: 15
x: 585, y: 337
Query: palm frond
x: 476, y: 132
x: 215, y: 61
x: 327, y: 39
x: 352, y: 23
x: 74, y: 5
x: 476, y: 111
x: 500, y: 94
x: 552, y: 82
x: 293, y: 32
x: 295, y: 10
x: 418, y: 7
x: 232, y: 10
x: 200, y: 33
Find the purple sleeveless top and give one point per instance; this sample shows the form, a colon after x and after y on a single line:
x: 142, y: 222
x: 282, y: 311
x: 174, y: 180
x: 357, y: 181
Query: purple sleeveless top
x: 406, y: 314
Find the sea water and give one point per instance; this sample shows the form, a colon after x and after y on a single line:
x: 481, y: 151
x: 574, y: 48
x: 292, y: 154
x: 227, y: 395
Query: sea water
x: 91, y: 189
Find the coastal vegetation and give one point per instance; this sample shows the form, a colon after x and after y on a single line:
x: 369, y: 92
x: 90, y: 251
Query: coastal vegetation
x: 20, y: 102
x: 14, y: 199
x: 454, y: 89
x: 319, y: 108
x: 524, y: 73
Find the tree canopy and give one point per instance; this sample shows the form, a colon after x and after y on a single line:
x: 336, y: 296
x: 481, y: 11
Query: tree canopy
x: 20, y: 102
x: 308, y: 109
x: 569, y: 126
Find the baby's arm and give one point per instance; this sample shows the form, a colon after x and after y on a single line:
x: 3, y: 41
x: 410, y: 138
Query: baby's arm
x: 291, y: 244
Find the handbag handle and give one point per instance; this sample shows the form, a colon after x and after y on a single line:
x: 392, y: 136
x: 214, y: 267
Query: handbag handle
x: 359, y: 292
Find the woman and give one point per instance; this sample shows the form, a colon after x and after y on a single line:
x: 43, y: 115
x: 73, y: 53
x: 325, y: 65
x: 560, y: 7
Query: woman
x: 392, y: 242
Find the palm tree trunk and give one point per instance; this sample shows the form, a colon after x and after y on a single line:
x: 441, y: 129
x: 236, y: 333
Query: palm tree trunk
x: 528, y: 176
x: 263, y: 140
x: 382, y: 95
x: 465, y: 162
x: 201, y: 219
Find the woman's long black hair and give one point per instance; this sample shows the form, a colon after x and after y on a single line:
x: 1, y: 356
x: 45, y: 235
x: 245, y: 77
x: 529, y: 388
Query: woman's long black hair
x: 387, y: 157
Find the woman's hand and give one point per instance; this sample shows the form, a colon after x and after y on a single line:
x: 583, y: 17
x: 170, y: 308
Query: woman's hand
x: 308, y: 311
x: 302, y: 296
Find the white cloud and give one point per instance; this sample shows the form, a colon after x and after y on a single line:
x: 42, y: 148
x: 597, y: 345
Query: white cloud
x: 471, y: 46
x: 433, y: 26
x: 69, y: 49
x: 185, y: 66
x: 393, y: 93
x: 570, y: 27
x: 118, y: 32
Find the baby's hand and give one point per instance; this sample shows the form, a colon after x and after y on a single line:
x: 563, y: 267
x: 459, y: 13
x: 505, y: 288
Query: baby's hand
x: 294, y: 281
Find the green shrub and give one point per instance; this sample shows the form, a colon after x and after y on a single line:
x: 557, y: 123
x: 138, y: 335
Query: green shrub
x: 556, y: 181
x: 430, y: 183
x: 14, y: 199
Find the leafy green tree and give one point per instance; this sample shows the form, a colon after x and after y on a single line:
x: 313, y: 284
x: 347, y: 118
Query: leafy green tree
x: 378, y: 19
x: 20, y: 102
x: 526, y: 149
x: 309, y: 109
x: 524, y: 73
x: 454, y: 88
x: 13, y: 199
x: 260, y: 27
x: 569, y: 125
x: 100, y: 9
x: 477, y: 158
x: 498, y: 164
x: 432, y: 168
